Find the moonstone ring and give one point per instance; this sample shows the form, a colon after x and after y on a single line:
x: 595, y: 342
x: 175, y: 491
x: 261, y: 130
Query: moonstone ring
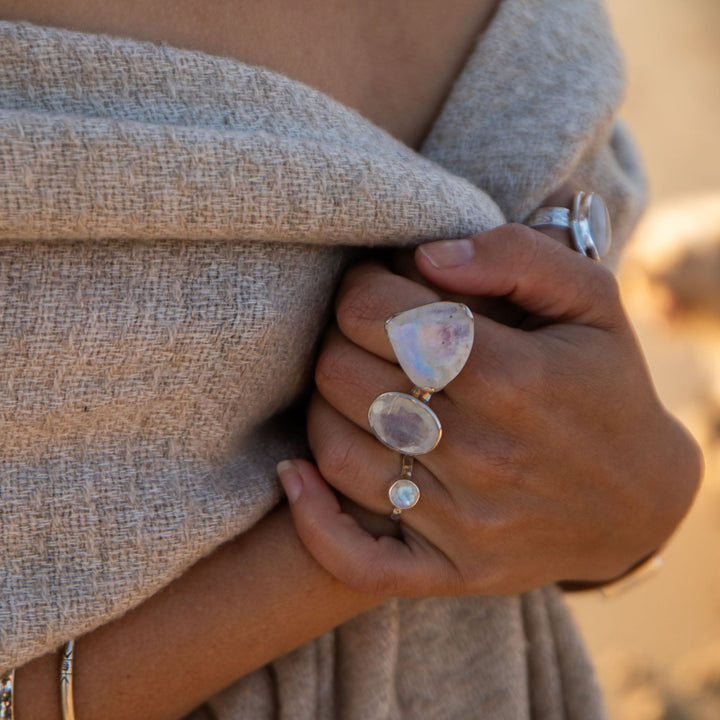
x: 588, y: 223
x: 432, y: 344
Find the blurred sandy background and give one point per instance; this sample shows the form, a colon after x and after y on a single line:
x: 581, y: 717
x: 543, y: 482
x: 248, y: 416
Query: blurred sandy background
x: 657, y: 646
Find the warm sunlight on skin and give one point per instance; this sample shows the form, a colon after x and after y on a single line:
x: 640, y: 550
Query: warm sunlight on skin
x: 343, y: 49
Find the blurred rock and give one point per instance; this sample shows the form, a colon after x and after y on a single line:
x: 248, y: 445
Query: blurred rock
x: 676, y: 249
x: 656, y: 647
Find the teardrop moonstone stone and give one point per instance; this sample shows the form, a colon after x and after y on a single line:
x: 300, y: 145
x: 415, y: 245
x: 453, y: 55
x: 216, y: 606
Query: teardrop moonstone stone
x: 432, y: 342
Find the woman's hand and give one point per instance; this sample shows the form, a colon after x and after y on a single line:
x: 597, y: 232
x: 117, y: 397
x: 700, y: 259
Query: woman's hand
x: 557, y: 460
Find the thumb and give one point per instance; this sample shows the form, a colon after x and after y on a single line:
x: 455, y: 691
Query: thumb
x: 375, y: 566
x: 528, y: 268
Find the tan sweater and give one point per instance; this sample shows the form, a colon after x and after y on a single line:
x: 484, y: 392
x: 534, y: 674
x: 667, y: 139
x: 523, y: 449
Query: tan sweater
x: 172, y: 228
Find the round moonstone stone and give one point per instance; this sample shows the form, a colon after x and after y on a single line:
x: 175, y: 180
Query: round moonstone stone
x: 404, y: 423
x: 404, y: 494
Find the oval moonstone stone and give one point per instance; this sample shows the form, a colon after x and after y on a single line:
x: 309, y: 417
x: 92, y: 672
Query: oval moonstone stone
x: 404, y: 494
x: 404, y: 423
x: 432, y: 342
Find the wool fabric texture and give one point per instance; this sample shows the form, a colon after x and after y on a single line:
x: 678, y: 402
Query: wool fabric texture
x: 172, y: 228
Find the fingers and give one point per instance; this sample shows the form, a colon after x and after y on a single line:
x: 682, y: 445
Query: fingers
x: 358, y: 466
x: 354, y: 462
x: 384, y: 566
x: 530, y: 269
x: 368, y: 295
x: 470, y: 468
x: 349, y: 378
x: 504, y: 365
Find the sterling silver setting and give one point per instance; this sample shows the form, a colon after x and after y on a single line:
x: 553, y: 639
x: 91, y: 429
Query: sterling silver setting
x: 432, y: 344
x: 404, y: 493
x: 588, y: 222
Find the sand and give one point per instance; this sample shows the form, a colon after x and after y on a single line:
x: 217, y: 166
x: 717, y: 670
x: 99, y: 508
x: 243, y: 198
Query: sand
x: 657, y: 646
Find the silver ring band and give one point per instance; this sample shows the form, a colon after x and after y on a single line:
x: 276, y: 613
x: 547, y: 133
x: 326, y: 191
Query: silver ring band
x: 404, y: 493
x: 588, y: 223
x: 552, y: 216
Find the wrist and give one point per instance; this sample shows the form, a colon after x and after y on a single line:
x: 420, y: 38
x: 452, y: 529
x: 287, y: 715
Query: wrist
x: 253, y: 599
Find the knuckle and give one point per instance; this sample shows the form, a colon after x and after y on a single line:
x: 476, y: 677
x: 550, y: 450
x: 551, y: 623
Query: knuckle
x: 514, y: 471
x: 526, y: 243
x: 522, y: 383
x: 369, y: 298
x: 338, y: 456
x: 482, y: 569
x: 498, y: 577
x: 373, y: 576
x: 527, y: 382
x: 334, y: 366
x: 603, y: 285
x: 310, y: 529
x: 514, y: 242
x: 599, y: 297
x: 476, y: 373
x: 523, y: 236
x: 469, y: 448
x: 454, y: 582
x: 508, y: 465
x: 492, y: 459
x: 357, y: 304
x: 470, y: 520
x: 505, y: 381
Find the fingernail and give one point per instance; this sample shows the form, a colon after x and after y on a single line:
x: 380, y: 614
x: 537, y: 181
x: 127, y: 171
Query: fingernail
x: 290, y: 479
x: 448, y: 253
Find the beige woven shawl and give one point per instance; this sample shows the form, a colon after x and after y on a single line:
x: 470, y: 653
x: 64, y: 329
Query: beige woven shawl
x: 172, y: 228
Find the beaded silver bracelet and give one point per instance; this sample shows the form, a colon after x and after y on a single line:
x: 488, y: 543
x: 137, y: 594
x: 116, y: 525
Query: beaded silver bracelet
x: 6, y: 695
x: 66, y: 682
